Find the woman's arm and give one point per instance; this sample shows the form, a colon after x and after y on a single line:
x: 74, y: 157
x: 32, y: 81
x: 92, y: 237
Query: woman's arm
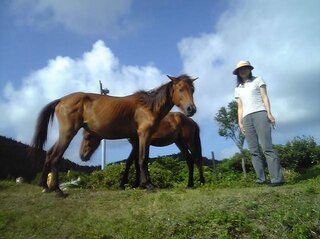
x: 240, y: 113
x: 266, y: 102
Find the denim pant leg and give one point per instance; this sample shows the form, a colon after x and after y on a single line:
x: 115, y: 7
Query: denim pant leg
x: 263, y: 129
x: 253, y: 143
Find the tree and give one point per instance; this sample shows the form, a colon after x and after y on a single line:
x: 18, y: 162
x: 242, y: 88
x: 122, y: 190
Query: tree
x: 227, y: 119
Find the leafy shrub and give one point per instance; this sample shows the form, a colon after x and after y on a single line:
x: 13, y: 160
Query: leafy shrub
x: 108, y: 178
x: 300, y: 153
x: 167, y: 171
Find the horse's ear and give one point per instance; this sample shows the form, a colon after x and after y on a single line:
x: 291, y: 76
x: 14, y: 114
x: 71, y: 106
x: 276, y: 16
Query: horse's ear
x: 172, y: 78
x: 194, y: 79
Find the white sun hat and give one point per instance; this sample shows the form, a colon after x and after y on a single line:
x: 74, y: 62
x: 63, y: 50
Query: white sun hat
x: 242, y: 64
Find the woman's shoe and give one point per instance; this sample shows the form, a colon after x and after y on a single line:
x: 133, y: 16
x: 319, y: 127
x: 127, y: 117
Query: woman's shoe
x: 276, y: 184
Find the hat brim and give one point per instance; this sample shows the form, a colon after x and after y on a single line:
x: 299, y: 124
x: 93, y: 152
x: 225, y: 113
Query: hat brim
x: 235, y: 72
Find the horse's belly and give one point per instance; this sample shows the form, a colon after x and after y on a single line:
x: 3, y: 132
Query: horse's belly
x: 161, y: 142
x: 160, y: 139
x: 116, y: 132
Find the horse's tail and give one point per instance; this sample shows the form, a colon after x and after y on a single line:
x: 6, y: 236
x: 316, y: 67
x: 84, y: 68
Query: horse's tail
x: 197, y: 142
x: 197, y: 151
x: 41, y: 130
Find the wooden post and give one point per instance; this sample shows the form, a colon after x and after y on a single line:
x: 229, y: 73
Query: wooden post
x: 243, y: 163
x: 213, y: 161
x: 103, y: 142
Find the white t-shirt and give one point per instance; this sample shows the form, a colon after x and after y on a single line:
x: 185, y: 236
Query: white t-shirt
x: 250, y: 96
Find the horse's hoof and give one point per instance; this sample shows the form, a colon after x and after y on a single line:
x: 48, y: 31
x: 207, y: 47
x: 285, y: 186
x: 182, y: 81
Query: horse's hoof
x: 190, y: 185
x: 150, y: 188
x: 136, y: 184
x: 45, y: 190
x: 61, y: 194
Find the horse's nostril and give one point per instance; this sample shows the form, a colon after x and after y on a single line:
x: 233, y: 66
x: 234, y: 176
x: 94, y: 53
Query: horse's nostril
x: 191, y: 110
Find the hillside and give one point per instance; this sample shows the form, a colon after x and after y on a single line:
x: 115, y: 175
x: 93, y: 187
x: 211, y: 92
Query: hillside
x: 16, y: 161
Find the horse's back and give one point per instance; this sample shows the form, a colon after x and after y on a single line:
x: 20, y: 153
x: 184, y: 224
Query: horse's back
x: 109, y: 117
x: 91, y: 101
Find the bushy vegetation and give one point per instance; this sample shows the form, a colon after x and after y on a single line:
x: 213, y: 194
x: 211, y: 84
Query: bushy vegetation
x: 172, y: 172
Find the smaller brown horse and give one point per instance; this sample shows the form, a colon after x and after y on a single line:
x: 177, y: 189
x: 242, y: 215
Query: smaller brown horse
x: 174, y: 128
x: 134, y: 116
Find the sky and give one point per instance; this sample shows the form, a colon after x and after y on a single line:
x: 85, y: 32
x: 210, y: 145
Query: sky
x: 51, y: 48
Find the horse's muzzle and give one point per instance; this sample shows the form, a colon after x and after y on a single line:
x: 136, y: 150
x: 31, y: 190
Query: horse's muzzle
x: 85, y: 157
x: 191, y: 110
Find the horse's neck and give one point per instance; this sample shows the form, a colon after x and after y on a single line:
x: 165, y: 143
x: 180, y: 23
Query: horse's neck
x: 164, y: 105
x: 164, y: 109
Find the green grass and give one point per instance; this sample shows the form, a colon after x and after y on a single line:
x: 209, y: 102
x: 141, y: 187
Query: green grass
x: 290, y: 211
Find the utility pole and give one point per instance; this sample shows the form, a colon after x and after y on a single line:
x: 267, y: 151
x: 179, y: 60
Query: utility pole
x: 104, y: 91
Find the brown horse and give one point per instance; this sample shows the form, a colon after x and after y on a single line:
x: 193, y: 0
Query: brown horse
x: 135, y: 116
x: 175, y: 128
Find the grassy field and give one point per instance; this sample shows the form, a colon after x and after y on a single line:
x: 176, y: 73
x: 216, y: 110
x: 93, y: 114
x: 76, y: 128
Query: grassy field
x: 290, y: 211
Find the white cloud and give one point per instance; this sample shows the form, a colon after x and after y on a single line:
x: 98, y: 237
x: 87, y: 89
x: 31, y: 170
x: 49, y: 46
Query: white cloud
x: 64, y: 75
x: 281, y: 39
x: 80, y: 16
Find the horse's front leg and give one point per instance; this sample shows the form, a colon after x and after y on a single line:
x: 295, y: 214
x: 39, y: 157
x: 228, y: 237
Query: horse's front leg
x: 144, y: 139
x: 137, y: 168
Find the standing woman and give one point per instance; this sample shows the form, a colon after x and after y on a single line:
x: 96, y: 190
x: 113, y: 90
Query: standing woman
x: 255, y: 120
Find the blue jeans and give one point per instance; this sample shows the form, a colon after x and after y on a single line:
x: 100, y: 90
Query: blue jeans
x: 257, y: 129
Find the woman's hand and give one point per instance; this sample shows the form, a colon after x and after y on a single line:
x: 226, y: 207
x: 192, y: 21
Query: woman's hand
x: 271, y: 119
x: 241, y: 128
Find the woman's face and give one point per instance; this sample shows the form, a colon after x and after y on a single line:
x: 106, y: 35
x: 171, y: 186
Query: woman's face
x: 244, y: 72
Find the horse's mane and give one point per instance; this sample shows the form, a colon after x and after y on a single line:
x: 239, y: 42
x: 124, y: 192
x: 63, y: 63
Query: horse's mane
x: 155, y: 98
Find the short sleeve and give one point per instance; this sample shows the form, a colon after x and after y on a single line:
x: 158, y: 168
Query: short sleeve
x: 236, y: 93
x: 260, y: 81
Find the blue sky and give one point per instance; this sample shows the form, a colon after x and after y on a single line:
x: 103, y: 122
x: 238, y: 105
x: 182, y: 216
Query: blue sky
x: 52, y: 48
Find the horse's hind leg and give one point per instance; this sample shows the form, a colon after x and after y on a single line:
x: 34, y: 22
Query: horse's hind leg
x: 197, y: 156
x: 56, y: 156
x: 200, y: 168
x: 46, y: 170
